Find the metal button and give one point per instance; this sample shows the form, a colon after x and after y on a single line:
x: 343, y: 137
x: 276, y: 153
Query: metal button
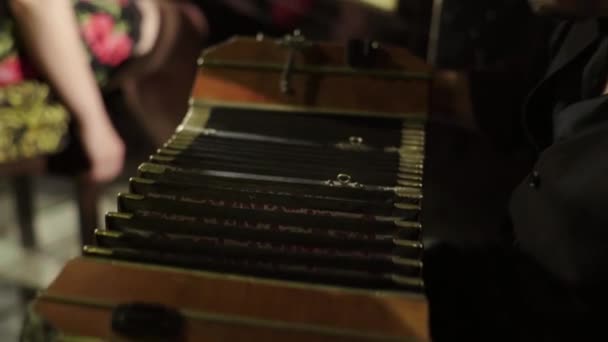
x: 534, y: 180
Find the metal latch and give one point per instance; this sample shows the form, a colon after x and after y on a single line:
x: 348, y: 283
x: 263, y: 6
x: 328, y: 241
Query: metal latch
x: 294, y: 42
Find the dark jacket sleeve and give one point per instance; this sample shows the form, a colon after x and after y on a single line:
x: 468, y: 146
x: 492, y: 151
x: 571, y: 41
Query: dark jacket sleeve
x: 499, y: 92
x: 560, y: 222
x: 548, y: 283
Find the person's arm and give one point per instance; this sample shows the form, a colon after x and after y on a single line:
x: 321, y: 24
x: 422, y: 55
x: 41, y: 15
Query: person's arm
x: 451, y: 97
x: 50, y: 31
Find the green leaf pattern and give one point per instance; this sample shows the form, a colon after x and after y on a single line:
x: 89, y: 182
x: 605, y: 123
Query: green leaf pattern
x: 32, y: 123
x: 7, y: 41
x: 8, y: 46
x: 111, y: 7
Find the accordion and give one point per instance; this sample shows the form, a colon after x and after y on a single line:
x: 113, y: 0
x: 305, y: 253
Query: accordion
x: 286, y: 205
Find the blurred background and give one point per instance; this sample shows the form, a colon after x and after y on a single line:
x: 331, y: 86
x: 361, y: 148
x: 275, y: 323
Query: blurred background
x: 53, y: 206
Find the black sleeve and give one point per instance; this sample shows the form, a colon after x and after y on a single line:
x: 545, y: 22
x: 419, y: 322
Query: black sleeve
x: 505, y: 49
x: 496, y: 293
x: 499, y: 92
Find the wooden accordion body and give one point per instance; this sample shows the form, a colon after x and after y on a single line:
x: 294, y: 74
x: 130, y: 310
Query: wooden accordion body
x: 286, y: 206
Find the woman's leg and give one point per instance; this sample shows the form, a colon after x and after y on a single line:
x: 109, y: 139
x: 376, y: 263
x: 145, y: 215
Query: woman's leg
x: 51, y: 34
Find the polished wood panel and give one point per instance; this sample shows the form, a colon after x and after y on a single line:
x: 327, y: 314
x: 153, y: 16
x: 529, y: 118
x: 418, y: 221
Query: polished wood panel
x: 227, y: 78
x: 362, y: 94
x: 364, y: 312
x: 89, y: 319
x: 321, y: 53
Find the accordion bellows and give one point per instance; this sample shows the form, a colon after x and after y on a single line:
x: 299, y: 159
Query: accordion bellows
x: 327, y: 199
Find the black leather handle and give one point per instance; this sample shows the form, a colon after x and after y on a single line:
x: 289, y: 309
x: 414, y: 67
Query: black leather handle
x: 148, y: 320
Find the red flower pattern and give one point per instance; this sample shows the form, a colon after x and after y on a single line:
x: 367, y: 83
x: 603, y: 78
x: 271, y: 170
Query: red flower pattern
x: 12, y: 71
x: 97, y: 27
x: 109, y: 46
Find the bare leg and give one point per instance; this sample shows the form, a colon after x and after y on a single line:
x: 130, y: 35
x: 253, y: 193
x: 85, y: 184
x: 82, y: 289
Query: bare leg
x: 51, y: 33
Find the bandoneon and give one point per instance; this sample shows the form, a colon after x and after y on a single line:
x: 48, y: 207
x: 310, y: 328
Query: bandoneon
x: 285, y: 206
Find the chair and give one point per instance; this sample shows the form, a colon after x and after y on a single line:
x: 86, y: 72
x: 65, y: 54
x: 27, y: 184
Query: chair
x: 32, y: 128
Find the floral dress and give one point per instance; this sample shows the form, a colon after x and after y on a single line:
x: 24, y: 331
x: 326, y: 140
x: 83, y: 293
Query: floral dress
x: 109, y: 30
x: 32, y: 121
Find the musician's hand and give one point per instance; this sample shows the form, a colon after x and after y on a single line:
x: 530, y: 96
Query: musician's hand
x: 451, y: 97
x: 105, y: 150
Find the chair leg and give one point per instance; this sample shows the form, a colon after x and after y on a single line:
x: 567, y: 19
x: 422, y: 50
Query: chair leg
x: 24, y: 205
x: 88, y: 196
x: 26, y: 295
